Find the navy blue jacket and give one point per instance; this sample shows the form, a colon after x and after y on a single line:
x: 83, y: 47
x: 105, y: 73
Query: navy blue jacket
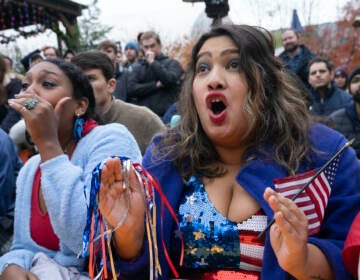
x: 302, y: 67
x: 334, y: 99
x: 254, y: 177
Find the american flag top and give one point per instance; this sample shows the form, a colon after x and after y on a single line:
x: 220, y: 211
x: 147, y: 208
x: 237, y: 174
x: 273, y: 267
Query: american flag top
x: 310, y: 191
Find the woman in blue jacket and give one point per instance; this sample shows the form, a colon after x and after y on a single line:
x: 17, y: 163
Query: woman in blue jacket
x: 244, y: 146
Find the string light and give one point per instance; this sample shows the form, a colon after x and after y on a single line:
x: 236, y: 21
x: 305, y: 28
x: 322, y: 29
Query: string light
x: 16, y: 15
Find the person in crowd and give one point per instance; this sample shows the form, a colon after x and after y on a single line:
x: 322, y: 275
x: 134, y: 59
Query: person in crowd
x: 57, y: 104
x: 347, y: 120
x: 10, y: 165
x: 18, y: 134
x: 109, y: 48
x: 238, y: 147
x: 69, y: 54
x: 141, y: 121
x: 48, y: 52
x: 131, y: 53
x: 119, y: 57
x: 170, y: 113
x: 351, y: 252
x: 35, y: 58
x: 295, y: 55
x: 155, y: 83
x: 10, y: 69
x: 327, y: 98
x: 9, y: 86
x: 141, y: 50
x: 340, y: 78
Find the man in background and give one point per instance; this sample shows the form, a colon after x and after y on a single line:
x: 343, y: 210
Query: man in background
x: 347, y: 119
x: 155, y: 83
x: 48, y: 52
x: 140, y: 121
x: 327, y: 98
x: 295, y: 56
x: 131, y: 54
x: 110, y: 48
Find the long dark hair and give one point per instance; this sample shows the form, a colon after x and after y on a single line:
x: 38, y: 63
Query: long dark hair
x: 277, y: 115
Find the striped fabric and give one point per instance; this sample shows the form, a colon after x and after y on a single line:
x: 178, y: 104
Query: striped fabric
x: 313, y: 200
x: 215, y: 247
x: 252, y: 248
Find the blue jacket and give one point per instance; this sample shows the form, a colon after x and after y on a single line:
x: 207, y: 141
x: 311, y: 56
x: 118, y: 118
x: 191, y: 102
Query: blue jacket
x: 10, y: 165
x: 301, y: 68
x: 335, y: 99
x: 255, y: 176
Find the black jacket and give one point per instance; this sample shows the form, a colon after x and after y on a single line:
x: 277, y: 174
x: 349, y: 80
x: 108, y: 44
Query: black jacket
x: 120, y: 75
x: 142, y: 89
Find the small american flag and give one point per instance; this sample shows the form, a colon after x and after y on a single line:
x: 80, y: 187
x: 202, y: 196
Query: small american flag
x: 313, y: 200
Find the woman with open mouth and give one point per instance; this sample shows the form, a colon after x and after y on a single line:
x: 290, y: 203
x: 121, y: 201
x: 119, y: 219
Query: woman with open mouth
x: 235, y: 166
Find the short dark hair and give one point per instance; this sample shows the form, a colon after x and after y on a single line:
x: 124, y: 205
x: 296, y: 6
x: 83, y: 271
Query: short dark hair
x: 95, y: 60
x: 318, y: 59
x: 108, y: 44
x: 148, y: 35
x: 69, y: 51
x: 80, y: 82
x: 57, y: 52
x: 297, y: 34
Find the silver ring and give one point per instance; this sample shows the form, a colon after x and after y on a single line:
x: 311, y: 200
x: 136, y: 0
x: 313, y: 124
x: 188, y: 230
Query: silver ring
x: 23, y: 109
x: 31, y: 103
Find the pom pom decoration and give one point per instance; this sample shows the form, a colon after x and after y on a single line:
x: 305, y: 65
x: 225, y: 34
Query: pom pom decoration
x: 98, y: 248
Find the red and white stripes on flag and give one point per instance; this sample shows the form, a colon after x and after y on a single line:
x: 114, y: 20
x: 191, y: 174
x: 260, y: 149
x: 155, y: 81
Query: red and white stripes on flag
x: 313, y: 200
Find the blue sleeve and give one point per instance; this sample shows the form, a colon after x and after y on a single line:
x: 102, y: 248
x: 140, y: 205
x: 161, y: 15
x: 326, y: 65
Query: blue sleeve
x: 21, y: 257
x: 63, y: 181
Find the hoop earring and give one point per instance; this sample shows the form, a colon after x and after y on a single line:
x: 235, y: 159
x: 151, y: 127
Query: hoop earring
x: 78, y: 128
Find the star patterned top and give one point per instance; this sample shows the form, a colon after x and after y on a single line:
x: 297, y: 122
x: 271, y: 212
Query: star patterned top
x: 211, y: 240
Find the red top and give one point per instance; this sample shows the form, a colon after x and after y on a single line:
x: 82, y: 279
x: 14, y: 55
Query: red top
x: 41, y: 230
x: 352, y: 246
x: 40, y: 227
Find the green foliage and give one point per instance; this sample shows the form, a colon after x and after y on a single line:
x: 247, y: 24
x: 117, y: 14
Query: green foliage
x: 91, y: 30
x: 71, y: 41
x: 277, y: 38
x: 18, y: 67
